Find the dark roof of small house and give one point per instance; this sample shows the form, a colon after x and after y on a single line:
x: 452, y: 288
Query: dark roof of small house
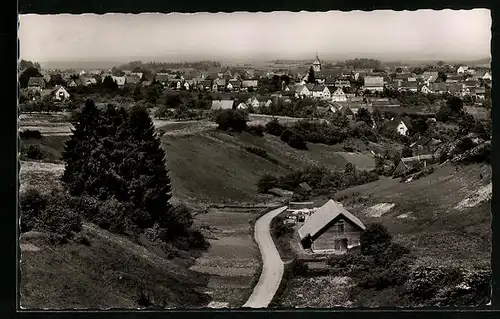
x: 417, y: 158
x: 323, y: 216
x: 235, y: 82
x: 36, y: 81
x: 305, y: 186
x: 309, y: 86
x: 421, y: 141
x: 318, y: 88
x: 220, y: 82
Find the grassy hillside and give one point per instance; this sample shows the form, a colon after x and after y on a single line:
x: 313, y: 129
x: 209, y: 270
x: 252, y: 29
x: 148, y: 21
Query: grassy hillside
x: 110, y: 271
x: 439, y: 216
x: 213, y: 166
x: 51, y: 146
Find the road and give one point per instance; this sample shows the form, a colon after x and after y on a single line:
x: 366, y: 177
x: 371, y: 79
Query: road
x: 272, y: 265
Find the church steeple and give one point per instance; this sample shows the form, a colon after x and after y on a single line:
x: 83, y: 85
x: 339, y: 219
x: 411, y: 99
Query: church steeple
x: 317, y: 64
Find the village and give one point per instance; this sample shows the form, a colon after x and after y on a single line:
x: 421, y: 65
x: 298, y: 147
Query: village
x: 329, y: 180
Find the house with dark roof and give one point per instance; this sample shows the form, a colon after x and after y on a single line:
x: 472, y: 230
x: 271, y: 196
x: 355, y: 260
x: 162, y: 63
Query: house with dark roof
x: 219, y: 85
x: 249, y: 83
x: 36, y: 83
x: 374, y: 83
x: 331, y: 229
x: 412, y: 164
x: 398, y: 126
x: 132, y: 79
x: 439, y: 88
x: 338, y: 95
x: 320, y: 91
x: 234, y: 85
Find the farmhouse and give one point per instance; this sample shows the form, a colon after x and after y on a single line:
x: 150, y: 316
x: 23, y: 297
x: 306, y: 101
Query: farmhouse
x: 399, y: 126
x: 301, y: 91
x: 250, y: 84
x: 60, y: 93
x: 331, y: 229
x: 339, y: 95
x: 408, y: 164
x: 36, y: 83
x: 320, y: 91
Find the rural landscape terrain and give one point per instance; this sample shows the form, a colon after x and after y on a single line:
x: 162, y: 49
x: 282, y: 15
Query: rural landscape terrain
x: 289, y: 184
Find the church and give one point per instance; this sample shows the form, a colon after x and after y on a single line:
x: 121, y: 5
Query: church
x: 316, y: 64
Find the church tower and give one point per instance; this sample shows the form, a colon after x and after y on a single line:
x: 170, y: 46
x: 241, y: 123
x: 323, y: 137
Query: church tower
x: 317, y: 64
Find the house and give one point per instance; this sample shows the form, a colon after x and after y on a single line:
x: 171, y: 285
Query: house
x: 331, y: 229
x: 462, y: 69
x: 454, y: 78
x: 120, y: 80
x: 242, y: 106
x: 374, y: 83
x: 74, y: 83
x: 132, y: 79
x: 411, y: 86
x: 37, y: 83
x: 137, y: 74
x: 219, y: 85
x: 176, y: 84
x: 456, y: 89
x: 408, y: 164
x: 222, y: 104
x: 424, y: 145
x: 480, y: 93
x: 302, y: 91
x: 264, y: 101
x: 60, y: 94
x: 486, y: 76
x: 205, y: 85
x: 304, y: 186
x: 342, y: 83
x: 162, y: 79
x: 339, y: 95
x: 399, y: 126
x: 345, y: 110
x: 249, y: 84
x: 425, y: 89
x: 234, y: 85
x: 439, y: 88
x: 86, y: 81
x: 320, y: 91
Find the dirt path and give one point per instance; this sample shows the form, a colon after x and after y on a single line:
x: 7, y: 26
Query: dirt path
x: 272, y: 265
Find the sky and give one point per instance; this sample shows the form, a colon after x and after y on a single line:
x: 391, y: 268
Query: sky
x: 384, y: 34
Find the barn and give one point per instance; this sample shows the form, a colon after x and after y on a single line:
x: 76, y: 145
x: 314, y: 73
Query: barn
x: 331, y: 229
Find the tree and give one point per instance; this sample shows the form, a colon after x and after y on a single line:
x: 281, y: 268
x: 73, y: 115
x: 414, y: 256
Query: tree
x: 137, y: 93
x: 26, y: 75
x: 442, y: 76
x: 267, y: 182
x: 364, y: 115
x: 374, y: 239
x: 311, y: 78
x: 231, y: 120
x: 274, y: 127
x: 78, y: 149
x: 109, y: 84
x: 406, y: 152
x: 56, y: 79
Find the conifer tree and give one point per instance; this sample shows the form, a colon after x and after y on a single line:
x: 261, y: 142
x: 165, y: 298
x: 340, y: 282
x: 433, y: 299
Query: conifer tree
x: 147, y: 175
x: 79, y: 147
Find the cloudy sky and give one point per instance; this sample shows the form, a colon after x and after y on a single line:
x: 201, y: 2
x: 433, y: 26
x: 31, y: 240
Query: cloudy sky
x: 423, y: 34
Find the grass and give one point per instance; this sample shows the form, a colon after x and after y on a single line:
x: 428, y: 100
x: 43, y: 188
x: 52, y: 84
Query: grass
x: 109, y: 272
x: 436, y: 230
x: 233, y: 259
x: 51, y: 146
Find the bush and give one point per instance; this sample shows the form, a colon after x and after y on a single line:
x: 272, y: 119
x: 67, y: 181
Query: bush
x: 115, y: 216
x: 300, y: 268
x: 235, y: 120
x: 297, y: 141
x: 31, y: 203
x: 274, y: 127
x: 176, y: 221
x: 30, y: 134
x: 374, y: 239
x: 286, y: 135
x: 34, y: 152
x: 191, y: 239
x: 257, y: 130
x: 465, y: 144
x: 392, y: 253
x: 267, y: 182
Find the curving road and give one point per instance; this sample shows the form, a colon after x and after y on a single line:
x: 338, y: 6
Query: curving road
x: 272, y: 265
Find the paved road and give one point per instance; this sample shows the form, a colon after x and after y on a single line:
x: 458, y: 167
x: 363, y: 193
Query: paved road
x: 272, y: 265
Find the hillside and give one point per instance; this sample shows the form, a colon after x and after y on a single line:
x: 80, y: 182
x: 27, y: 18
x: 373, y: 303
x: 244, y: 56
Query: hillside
x: 215, y: 167
x: 444, y: 217
x: 107, y: 272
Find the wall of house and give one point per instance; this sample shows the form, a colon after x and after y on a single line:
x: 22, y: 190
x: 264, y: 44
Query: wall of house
x: 326, y: 239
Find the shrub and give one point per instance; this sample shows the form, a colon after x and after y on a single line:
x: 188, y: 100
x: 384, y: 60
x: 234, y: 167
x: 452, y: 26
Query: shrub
x: 392, y: 253
x: 374, y: 239
x: 30, y: 134
x: 257, y: 151
x: 280, y: 229
x: 286, y: 135
x: 274, y: 127
x: 34, y: 152
x: 300, y: 268
x: 32, y: 203
x: 176, y: 221
x: 297, y: 141
x: 465, y: 144
x: 235, y: 120
x: 191, y: 239
x: 267, y: 182
x: 257, y: 130
x: 114, y: 215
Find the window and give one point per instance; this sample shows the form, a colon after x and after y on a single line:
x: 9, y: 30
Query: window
x: 340, y: 226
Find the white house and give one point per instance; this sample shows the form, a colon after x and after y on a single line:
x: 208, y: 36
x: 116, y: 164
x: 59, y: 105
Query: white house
x: 222, y: 104
x: 186, y: 86
x: 120, y: 80
x: 374, y: 83
x: 400, y: 127
x: 339, y: 95
x: 425, y: 89
x: 242, y: 106
x: 462, y: 69
x: 60, y: 93
x: 486, y: 76
x: 320, y: 91
x: 302, y: 91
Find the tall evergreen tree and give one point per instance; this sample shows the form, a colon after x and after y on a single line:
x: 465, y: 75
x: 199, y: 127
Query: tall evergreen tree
x: 149, y: 183
x: 79, y: 147
x: 311, y: 78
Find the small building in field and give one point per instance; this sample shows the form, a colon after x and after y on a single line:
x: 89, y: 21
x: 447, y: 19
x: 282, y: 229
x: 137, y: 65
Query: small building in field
x: 408, y: 164
x: 331, y: 229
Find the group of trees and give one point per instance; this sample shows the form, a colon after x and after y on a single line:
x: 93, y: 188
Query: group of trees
x: 273, y: 84
x: 158, y: 66
x: 115, y: 166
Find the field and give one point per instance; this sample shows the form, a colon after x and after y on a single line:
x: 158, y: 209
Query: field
x: 232, y: 261
x: 480, y: 113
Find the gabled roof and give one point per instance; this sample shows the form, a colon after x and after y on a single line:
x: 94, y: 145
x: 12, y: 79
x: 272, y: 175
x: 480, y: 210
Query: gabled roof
x: 309, y: 86
x: 305, y: 186
x: 36, y: 81
x: 421, y: 142
x: 323, y: 216
x: 299, y: 88
x: 318, y: 88
x: 220, y: 82
x: 222, y: 104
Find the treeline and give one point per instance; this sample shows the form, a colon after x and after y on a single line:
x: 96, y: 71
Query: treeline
x: 115, y: 168
x: 200, y: 65
x: 362, y: 63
